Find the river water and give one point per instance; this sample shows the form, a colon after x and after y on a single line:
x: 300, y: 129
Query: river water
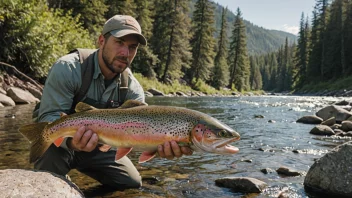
x: 269, y: 135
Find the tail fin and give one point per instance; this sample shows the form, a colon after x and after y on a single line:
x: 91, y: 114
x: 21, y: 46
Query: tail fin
x: 34, y: 133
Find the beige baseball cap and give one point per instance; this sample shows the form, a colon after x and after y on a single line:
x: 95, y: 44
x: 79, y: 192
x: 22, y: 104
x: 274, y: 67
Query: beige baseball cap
x: 122, y: 25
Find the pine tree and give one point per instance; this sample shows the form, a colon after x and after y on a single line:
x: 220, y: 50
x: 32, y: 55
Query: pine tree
x: 91, y: 13
x: 301, y: 56
x: 238, y: 58
x: 202, y: 41
x: 145, y: 60
x: 179, y: 55
x: 220, y: 76
x: 348, y: 37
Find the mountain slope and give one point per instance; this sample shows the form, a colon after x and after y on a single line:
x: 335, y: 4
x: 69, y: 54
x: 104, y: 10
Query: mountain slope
x: 259, y: 39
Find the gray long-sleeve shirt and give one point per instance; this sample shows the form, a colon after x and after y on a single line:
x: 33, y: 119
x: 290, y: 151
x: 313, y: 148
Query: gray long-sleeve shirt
x: 64, y: 80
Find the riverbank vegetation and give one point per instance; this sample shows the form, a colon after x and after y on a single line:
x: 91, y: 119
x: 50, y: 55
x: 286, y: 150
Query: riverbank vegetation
x: 192, y: 44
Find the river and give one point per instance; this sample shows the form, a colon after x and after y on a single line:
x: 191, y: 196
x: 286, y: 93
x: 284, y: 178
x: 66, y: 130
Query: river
x: 269, y: 135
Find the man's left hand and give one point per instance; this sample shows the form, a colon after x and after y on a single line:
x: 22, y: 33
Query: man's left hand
x: 169, y: 150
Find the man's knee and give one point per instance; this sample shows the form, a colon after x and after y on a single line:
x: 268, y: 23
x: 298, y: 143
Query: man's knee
x: 124, y: 183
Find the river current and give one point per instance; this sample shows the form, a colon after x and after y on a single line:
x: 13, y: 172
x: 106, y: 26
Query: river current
x: 269, y: 135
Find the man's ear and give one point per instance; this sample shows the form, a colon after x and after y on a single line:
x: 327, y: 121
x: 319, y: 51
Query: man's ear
x: 101, y: 40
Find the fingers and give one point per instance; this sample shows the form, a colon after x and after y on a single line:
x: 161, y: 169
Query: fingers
x: 186, y: 150
x: 171, y: 149
x: 84, y: 140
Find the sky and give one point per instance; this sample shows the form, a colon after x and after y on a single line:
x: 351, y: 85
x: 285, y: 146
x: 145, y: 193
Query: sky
x: 282, y: 15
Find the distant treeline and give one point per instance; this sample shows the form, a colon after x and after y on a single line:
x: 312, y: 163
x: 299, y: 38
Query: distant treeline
x: 323, y: 52
x: 35, y: 33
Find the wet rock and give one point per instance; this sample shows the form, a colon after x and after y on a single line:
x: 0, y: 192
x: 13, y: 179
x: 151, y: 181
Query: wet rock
x: 329, y: 122
x: 6, y: 101
x: 28, y: 183
x: 156, y: 92
x: 289, y: 172
x: 346, y: 126
x: 242, y: 184
x: 267, y: 170
x: 258, y: 116
x: 180, y: 93
x: 342, y: 103
x: 20, y: 96
x: 310, y: 119
x: 271, y: 121
x: 332, y: 173
x: 322, y: 130
x: 335, y: 126
x: 148, y: 94
x: 333, y: 111
x: 2, y: 91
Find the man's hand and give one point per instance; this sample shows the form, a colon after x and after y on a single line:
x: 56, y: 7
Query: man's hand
x: 171, y: 149
x: 83, y: 140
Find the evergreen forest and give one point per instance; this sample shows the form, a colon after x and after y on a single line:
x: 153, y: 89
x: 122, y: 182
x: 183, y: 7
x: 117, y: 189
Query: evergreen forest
x: 191, y: 42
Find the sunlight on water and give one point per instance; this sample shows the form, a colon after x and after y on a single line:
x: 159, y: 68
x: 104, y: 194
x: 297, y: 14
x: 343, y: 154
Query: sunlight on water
x: 270, y: 138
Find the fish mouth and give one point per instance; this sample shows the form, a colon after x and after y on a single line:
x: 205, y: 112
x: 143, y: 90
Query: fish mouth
x: 225, y: 145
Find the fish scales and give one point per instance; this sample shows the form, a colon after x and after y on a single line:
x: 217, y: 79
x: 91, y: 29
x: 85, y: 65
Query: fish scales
x: 138, y: 126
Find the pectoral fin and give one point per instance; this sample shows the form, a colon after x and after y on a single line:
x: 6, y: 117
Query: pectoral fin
x: 146, y: 156
x: 59, y: 141
x: 122, y: 152
x: 104, y: 148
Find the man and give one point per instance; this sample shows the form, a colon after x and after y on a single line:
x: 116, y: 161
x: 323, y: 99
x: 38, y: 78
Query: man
x: 118, y: 45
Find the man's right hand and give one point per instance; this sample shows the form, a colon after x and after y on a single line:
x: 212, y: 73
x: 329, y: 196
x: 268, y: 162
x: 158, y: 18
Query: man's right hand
x: 83, y: 140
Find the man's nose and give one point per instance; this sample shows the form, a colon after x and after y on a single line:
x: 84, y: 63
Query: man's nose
x: 125, y: 51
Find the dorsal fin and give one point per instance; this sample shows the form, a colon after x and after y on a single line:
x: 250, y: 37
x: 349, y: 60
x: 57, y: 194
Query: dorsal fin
x: 81, y: 106
x: 132, y: 103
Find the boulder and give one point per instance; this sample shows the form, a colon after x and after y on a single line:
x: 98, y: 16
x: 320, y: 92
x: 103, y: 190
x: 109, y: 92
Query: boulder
x: 322, y: 130
x: 21, y: 96
x: 310, y: 119
x: 331, y: 175
x: 346, y: 125
x: 329, y: 122
x: 333, y: 111
x: 242, y: 184
x: 30, y: 183
x: 6, y: 101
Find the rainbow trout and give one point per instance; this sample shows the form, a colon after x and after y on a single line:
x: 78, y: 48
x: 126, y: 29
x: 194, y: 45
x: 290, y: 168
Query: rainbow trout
x: 135, y: 125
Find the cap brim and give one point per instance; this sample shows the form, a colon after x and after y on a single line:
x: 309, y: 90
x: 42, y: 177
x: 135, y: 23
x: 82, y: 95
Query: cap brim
x: 121, y: 33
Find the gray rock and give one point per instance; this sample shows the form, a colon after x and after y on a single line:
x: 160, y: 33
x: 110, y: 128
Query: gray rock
x: 180, y: 93
x: 329, y: 122
x: 20, y: 96
x: 346, y: 126
x: 6, y: 101
x: 242, y: 184
x: 310, y: 119
x: 156, y: 92
x: 322, y: 130
x: 289, y: 172
x: 332, y: 173
x: 28, y: 183
x: 333, y: 111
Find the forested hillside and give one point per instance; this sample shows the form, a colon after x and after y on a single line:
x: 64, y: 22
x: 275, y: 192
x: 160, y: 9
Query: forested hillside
x: 259, y: 39
x: 196, y: 43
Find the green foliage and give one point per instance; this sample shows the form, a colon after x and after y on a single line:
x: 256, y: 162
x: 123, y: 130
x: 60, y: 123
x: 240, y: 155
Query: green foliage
x: 202, y: 42
x: 238, y: 58
x: 220, y: 77
x: 34, y: 37
x: 148, y: 83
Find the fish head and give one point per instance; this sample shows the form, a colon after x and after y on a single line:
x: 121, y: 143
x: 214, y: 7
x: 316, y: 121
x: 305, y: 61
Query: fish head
x: 210, y: 135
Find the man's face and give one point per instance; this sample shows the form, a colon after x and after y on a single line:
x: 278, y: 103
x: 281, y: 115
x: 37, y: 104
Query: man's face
x: 118, y: 53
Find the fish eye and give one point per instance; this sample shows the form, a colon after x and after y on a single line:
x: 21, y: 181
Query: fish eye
x: 222, y: 133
